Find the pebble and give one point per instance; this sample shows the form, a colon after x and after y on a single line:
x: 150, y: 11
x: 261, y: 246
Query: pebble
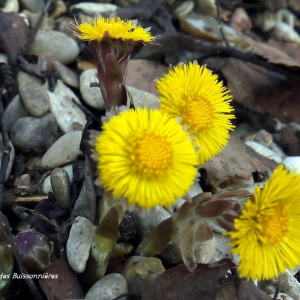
x: 284, y: 32
x: 142, y: 98
x: 264, y: 151
x: 60, y: 9
x: 68, y: 115
x: 184, y: 8
x: 34, y: 6
x: 207, y: 28
x: 14, y: 111
x: 23, y: 180
x: 64, y: 151
x: 281, y: 296
x: 46, y: 187
x: 107, y: 288
x: 3, y: 58
x: 292, y: 163
x: 47, y: 24
x: 10, y: 6
x: 68, y: 76
x: 90, y: 8
x: 79, y: 243
x: 31, y: 134
x: 11, y: 157
x: 91, y: 95
x: 289, y: 285
x: 56, y: 44
x: 207, y: 7
x: 61, y: 187
x: 149, y: 221
x: 138, y: 271
x: 223, y: 249
x: 34, y: 94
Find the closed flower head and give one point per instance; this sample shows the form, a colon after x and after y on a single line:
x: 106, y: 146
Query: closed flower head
x: 194, y: 94
x: 267, y: 236
x: 146, y: 158
x: 112, y: 28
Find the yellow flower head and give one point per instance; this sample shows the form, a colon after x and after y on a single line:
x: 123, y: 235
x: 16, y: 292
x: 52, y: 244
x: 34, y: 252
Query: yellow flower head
x: 112, y: 28
x: 193, y: 93
x: 146, y: 158
x: 267, y: 236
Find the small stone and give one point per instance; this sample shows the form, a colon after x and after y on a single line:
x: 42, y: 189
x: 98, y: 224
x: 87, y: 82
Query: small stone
x: 281, y: 296
x: 90, y: 8
x: 79, y: 243
x: 142, y: 98
x: 207, y: 28
x: 284, y: 32
x: 68, y: 76
x: 60, y: 9
x: 14, y: 111
x: 264, y: 151
x: 138, y: 271
x: 3, y: 58
x: 47, y: 182
x: 184, y: 8
x: 11, y: 157
x: 207, y: 7
x: 289, y: 285
x: 148, y: 222
x: 68, y: 115
x: 240, y: 20
x: 47, y: 24
x: 10, y: 6
x: 34, y: 6
x: 34, y: 164
x: 127, y: 3
x: 223, y: 249
x: 64, y: 151
x: 204, y: 251
x: 292, y: 163
x: 30, y: 134
x: 23, y: 180
x: 34, y: 94
x: 294, y: 5
x: 56, y: 44
x: 107, y: 288
x: 91, y: 95
x: 61, y: 187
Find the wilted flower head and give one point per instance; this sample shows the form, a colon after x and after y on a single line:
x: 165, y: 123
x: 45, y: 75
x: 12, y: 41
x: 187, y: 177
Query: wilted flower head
x: 146, y: 158
x: 267, y: 236
x: 193, y: 93
x: 113, y: 28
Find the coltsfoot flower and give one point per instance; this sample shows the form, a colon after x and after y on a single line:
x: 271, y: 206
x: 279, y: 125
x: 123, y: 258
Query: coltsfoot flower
x: 112, y: 41
x: 267, y: 236
x: 193, y: 93
x: 146, y: 158
x: 113, y: 28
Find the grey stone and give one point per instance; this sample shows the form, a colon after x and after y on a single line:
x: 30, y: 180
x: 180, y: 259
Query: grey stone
x: 68, y: 115
x: 223, y: 249
x: 143, y: 99
x: 107, y: 288
x: 64, y: 151
x: 264, y: 151
x: 90, y: 8
x: 34, y: 94
x: 91, y: 95
x: 56, y: 44
x: 79, y: 243
x: 14, y: 111
x: 33, y: 5
x: 30, y: 134
x: 3, y: 58
x: 289, y: 285
x: 292, y: 163
x: 149, y: 221
x: 23, y: 180
x: 46, y: 187
x: 138, y: 271
x: 11, y: 157
x: 61, y: 187
x: 68, y: 76
x: 10, y: 6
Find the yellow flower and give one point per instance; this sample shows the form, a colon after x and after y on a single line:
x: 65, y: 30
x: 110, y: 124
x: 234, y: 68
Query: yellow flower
x: 111, y: 28
x: 267, y: 236
x: 146, y: 158
x: 193, y: 93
